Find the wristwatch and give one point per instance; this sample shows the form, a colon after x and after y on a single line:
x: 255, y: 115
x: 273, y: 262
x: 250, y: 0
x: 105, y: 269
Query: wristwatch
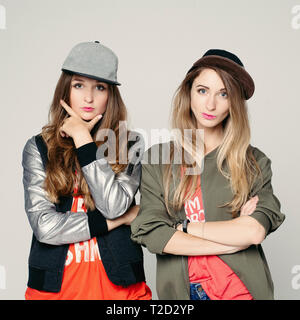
x: 184, y: 225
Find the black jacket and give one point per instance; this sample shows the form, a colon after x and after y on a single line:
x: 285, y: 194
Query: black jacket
x: 121, y: 257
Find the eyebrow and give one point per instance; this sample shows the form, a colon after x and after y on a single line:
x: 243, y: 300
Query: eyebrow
x: 81, y: 80
x: 201, y: 85
x: 77, y: 79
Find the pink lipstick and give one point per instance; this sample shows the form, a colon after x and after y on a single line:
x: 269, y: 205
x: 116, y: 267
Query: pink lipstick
x: 87, y: 109
x: 208, y: 116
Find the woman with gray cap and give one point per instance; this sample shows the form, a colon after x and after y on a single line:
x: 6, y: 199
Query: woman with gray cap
x: 78, y: 204
x: 206, y: 227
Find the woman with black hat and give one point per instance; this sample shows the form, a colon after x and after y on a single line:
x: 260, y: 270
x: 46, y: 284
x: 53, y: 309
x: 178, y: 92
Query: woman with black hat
x: 78, y: 204
x: 206, y: 226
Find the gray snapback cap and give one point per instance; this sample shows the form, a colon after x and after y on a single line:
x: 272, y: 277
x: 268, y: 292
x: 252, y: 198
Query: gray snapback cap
x: 92, y: 60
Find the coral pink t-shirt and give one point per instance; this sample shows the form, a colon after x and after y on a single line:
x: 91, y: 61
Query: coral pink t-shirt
x: 84, y: 275
x: 216, y: 278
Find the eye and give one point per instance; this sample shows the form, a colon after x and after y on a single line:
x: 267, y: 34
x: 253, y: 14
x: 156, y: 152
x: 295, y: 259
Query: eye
x: 202, y: 91
x: 77, y: 85
x: 100, y: 87
x: 224, y: 94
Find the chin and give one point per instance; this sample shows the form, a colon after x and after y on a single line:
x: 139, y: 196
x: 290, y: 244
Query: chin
x: 207, y: 124
x: 87, y: 117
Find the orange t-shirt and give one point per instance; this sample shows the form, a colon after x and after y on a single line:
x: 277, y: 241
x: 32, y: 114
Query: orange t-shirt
x: 215, y: 276
x: 84, y: 275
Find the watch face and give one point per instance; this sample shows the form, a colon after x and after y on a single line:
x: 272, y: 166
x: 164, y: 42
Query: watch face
x: 184, y: 225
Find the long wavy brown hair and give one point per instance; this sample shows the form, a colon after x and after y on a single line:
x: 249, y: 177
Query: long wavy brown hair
x: 62, y: 160
x: 235, y: 159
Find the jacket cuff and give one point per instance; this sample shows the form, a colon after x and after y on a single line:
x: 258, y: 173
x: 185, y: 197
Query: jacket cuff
x: 156, y: 240
x: 86, y: 153
x: 262, y: 219
x: 97, y: 223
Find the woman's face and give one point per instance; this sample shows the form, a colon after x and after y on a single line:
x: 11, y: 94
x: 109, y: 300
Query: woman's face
x: 209, y: 99
x: 88, y: 97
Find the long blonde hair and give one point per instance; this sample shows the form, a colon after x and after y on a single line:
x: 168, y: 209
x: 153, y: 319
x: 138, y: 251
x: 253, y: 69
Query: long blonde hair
x: 62, y: 160
x: 235, y: 159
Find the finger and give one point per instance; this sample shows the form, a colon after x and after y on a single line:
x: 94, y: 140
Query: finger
x: 254, y: 199
x: 246, y: 208
x: 250, y: 202
x: 93, y: 122
x: 251, y: 208
x: 179, y: 227
x: 251, y: 205
x: 244, y: 211
x: 63, y: 133
x: 69, y: 110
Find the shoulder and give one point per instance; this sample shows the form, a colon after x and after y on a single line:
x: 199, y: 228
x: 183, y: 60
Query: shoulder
x: 258, y: 154
x: 30, y: 145
x: 263, y: 161
x: 31, y: 151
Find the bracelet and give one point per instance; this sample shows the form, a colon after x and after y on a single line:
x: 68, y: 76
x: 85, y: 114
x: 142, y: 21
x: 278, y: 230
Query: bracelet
x: 184, y: 225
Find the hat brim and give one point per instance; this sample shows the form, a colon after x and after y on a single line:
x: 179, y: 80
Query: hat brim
x: 237, y: 71
x: 92, y: 77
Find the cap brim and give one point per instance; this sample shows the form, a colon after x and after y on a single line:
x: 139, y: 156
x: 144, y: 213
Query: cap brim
x: 237, y: 71
x: 92, y: 77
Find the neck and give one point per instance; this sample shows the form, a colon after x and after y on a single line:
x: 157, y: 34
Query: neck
x: 212, y: 138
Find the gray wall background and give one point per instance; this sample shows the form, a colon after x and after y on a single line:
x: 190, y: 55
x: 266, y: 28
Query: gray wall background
x: 156, y: 41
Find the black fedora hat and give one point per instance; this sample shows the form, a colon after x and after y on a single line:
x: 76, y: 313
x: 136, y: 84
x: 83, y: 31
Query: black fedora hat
x: 230, y: 63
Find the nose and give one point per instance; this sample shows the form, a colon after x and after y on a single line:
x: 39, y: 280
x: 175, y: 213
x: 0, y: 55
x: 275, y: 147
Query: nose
x: 88, y: 96
x: 211, y: 103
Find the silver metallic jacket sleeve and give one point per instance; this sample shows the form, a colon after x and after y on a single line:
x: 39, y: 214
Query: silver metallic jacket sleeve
x: 48, y: 225
x: 114, y: 193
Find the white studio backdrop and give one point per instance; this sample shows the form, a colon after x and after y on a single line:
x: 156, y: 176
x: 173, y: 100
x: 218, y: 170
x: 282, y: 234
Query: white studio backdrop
x: 156, y: 42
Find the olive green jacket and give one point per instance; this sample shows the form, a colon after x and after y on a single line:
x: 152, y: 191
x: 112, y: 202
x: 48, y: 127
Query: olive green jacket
x: 153, y: 227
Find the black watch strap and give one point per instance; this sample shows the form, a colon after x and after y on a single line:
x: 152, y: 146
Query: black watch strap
x: 184, y: 225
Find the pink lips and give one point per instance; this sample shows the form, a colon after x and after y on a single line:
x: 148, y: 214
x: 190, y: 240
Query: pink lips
x: 87, y: 109
x: 208, y: 116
